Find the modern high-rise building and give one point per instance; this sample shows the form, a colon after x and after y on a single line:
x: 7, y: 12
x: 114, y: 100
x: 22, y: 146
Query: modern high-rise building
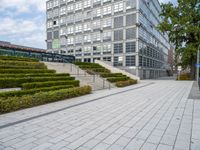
x: 121, y: 31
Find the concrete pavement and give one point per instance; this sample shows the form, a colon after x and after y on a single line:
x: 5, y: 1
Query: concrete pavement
x: 153, y: 115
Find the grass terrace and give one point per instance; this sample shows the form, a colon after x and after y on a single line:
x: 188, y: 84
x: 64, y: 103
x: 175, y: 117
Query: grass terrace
x: 118, y: 79
x: 38, y: 84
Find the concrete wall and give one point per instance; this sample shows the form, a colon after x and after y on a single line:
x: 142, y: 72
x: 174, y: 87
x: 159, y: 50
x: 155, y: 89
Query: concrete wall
x: 116, y: 70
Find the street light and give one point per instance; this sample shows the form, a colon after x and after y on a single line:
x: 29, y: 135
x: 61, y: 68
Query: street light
x: 197, y: 65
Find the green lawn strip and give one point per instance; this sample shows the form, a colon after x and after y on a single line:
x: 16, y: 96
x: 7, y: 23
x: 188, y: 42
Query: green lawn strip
x: 21, y: 63
x: 18, y: 58
x: 22, y: 67
x: 33, y: 75
x: 15, y: 103
x: 50, y: 83
x: 17, y: 82
x: 33, y: 91
x: 25, y: 71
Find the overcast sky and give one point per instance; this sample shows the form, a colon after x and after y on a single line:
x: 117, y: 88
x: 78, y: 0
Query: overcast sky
x: 23, y: 22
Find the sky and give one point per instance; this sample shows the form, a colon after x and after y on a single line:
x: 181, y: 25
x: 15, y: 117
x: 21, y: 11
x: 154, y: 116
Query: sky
x: 23, y: 22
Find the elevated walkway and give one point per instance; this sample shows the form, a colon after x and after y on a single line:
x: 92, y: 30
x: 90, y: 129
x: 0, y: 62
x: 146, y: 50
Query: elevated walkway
x: 95, y: 81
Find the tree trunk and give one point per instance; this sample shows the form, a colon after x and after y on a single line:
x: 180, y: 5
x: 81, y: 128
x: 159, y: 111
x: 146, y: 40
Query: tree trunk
x: 193, y: 69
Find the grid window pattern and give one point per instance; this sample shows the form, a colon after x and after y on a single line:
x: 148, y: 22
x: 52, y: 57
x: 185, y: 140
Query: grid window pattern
x: 130, y: 47
x: 56, y: 34
x: 118, y: 6
x: 130, y: 60
x: 118, y: 61
x: 118, y: 22
x: 131, y: 33
x: 130, y: 19
x: 118, y: 48
x: 118, y: 35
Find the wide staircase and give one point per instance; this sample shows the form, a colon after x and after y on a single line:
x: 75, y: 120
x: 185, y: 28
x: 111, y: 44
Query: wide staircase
x: 95, y: 81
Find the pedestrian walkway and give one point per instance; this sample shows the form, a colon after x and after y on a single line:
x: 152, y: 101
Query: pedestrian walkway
x: 153, y: 115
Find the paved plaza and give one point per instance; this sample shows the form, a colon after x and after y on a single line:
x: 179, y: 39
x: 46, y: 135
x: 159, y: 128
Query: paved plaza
x: 152, y: 115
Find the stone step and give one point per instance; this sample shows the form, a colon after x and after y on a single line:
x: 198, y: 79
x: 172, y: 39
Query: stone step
x: 95, y: 81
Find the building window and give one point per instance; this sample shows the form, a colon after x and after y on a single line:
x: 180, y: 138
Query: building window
x: 130, y: 4
x: 118, y: 35
x: 62, y: 31
x: 78, y: 39
x: 78, y: 6
x: 87, y: 26
x: 70, y: 40
x: 78, y: 16
x: 49, y: 35
x: 107, y: 10
x: 118, y: 61
x: 87, y: 3
x: 106, y: 58
x: 131, y: 33
x: 97, y: 50
x: 118, y: 48
x: 62, y: 10
x: 70, y: 18
x: 96, y: 24
x: 49, y: 45
x: 130, y: 47
x: 55, y: 3
x: 96, y: 37
x: 107, y: 36
x: 130, y: 60
x: 107, y: 22
x: 131, y: 20
x: 49, y: 24
x: 70, y: 7
x: 118, y: 22
x: 97, y: 12
x: 56, y: 34
x: 78, y: 28
x: 70, y: 29
x: 106, y: 48
x: 118, y: 7
x: 87, y: 38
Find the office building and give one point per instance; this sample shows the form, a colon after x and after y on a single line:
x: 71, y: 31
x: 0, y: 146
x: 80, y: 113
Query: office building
x: 120, y: 31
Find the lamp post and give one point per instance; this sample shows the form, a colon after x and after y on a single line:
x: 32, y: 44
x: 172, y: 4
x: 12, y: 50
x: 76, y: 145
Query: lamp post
x: 197, y: 65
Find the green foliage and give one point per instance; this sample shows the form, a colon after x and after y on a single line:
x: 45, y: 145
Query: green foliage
x: 25, y: 71
x: 33, y: 75
x: 14, y: 103
x: 116, y: 79
x: 17, y: 82
x: 182, y: 24
x: 106, y: 75
x: 18, y: 58
x: 33, y: 91
x: 125, y: 83
x: 184, y: 77
x: 49, y: 83
x: 22, y: 67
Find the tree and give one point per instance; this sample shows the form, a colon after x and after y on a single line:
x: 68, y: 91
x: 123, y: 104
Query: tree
x: 182, y: 23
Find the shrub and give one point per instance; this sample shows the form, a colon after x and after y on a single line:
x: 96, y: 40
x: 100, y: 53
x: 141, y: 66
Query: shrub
x: 27, y: 71
x: 21, y: 63
x: 17, y: 82
x: 125, y: 83
x: 85, y: 63
x: 33, y: 75
x: 15, y: 103
x: 33, y: 91
x: 18, y: 58
x: 184, y: 77
x: 116, y: 79
x: 49, y: 83
x: 101, y: 70
x: 106, y: 75
x: 22, y: 67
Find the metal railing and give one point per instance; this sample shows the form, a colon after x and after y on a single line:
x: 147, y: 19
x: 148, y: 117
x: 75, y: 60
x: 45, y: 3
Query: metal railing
x: 95, y: 78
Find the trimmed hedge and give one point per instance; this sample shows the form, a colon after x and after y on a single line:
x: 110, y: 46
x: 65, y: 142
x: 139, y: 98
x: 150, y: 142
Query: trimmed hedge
x: 22, y: 67
x: 27, y: 71
x: 116, y: 79
x: 106, y: 75
x: 50, y: 83
x: 18, y: 58
x: 15, y: 103
x: 33, y: 91
x: 17, y: 82
x: 125, y: 83
x: 33, y: 75
x: 21, y: 63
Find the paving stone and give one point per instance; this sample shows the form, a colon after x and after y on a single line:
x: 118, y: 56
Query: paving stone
x: 135, y: 144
